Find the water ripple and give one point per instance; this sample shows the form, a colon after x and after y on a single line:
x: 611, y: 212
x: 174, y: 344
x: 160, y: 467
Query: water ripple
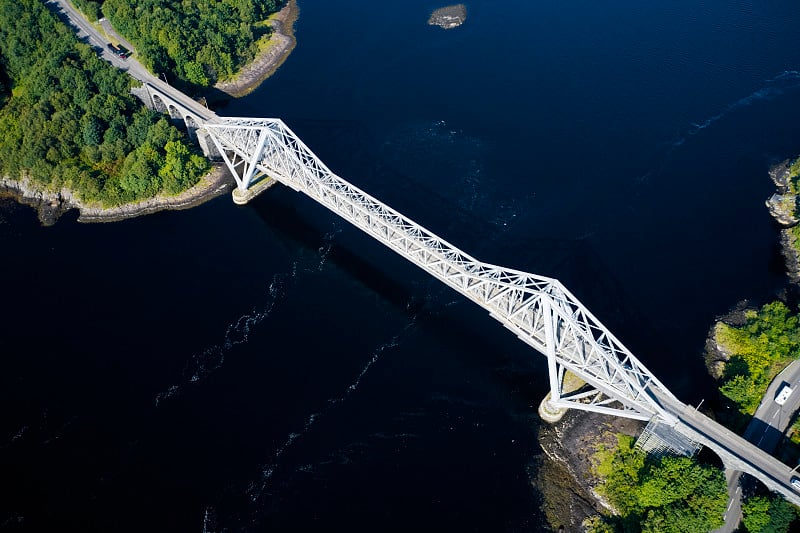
x: 256, y: 489
x: 787, y: 80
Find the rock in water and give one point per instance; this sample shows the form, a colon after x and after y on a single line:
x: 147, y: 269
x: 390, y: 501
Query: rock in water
x: 449, y: 17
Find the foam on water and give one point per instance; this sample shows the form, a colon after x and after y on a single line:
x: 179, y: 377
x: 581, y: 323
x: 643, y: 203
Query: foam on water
x: 785, y: 81
x: 775, y: 87
x: 256, y: 489
x: 451, y: 163
x: 202, y: 364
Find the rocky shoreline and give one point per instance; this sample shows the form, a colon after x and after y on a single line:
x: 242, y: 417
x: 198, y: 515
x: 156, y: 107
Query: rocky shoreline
x: 783, y: 207
x: 50, y: 205
x: 282, y: 42
x: 716, y: 355
x: 565, y: 475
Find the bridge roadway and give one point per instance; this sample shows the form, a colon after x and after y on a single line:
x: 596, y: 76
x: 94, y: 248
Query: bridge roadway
x: 539, y: 310
x: 136, y: 70
x: 735, y: 451
x: 557, y: 311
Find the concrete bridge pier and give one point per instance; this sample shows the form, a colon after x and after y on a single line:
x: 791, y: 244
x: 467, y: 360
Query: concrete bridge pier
x: 243, y: 196
x: 205, y: 143
x: 549, y: 412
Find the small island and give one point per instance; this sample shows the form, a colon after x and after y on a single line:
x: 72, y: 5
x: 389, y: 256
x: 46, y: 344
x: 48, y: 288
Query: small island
x: 449, y: 17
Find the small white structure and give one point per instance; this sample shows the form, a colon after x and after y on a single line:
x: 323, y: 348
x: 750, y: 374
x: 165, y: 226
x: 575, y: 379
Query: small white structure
x: 783, y: 394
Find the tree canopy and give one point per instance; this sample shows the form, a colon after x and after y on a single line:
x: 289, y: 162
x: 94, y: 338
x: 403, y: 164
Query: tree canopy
x: 71, y: 120
x: 759, y: 349
x: 200, y: 42
x: 666, y: 495
x: 765, y: 514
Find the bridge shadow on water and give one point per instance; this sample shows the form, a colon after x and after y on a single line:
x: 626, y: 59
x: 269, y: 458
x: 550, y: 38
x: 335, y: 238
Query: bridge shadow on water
x: 435, y: 309
x: 297, y: 220
x: 349, y: 149
x: 294, y: 229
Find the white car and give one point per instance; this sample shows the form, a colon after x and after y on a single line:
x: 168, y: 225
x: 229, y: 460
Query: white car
x: 783, y: 394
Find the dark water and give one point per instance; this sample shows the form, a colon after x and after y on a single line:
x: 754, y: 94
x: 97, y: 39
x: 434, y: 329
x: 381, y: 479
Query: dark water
x: 269, y: 368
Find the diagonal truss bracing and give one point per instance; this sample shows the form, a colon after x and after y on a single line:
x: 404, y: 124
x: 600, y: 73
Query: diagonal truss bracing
x: 539, y: 310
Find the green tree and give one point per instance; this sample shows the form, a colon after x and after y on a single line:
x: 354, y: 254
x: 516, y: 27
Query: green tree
x: 621, y: 470
x: 68, y: 117
x: 199, y: 41
x: 743, y: 391
x: 755, y: 514
x: 762, y: 347
x: 91, y: 130
x: 761, y: 514
x: 597, y: 524
x: 670, y: 494
x: 139, y: 177
x: 195, y: 73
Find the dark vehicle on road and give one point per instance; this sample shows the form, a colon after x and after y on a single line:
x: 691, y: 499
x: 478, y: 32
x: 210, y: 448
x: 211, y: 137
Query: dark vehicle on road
x: 120, y: 51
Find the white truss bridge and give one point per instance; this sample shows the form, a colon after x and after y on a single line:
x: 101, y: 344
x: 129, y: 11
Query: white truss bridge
x: 539, y: 310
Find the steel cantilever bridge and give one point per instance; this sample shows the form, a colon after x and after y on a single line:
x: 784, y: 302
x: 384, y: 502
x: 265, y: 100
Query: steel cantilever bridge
x: 539, y: 310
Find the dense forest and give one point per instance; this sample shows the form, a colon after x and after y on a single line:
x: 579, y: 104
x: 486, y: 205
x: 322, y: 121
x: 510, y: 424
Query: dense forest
x: 657, y: 494
x: 69, y: 118
x: 200, y: 42
x: 674, y: 494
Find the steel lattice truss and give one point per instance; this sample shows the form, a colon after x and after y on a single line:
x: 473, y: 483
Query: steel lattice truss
x: 539, y: 310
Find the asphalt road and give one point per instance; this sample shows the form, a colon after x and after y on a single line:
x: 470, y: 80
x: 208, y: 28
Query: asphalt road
x: 757, y: 462
x: 87, y: 32
x: 771, y: 420
x: 135, y: 69
x: 765, y: 430
x: 733, y: 512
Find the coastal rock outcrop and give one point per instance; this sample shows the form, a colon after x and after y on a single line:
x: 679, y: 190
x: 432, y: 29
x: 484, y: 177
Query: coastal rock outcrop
x: 782, y: 204
x: 268, y: 60
x: 783, y: 207
x: 50, y: 205
x: 565, y: 476
x: 779, y: 206
x: 449, y: 17
x: 716, y: 355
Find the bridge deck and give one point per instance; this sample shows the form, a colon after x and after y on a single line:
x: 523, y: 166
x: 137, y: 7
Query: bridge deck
x: 539, y: 310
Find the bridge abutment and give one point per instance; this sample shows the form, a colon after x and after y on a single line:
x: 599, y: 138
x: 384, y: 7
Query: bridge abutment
x: 206, y: 144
